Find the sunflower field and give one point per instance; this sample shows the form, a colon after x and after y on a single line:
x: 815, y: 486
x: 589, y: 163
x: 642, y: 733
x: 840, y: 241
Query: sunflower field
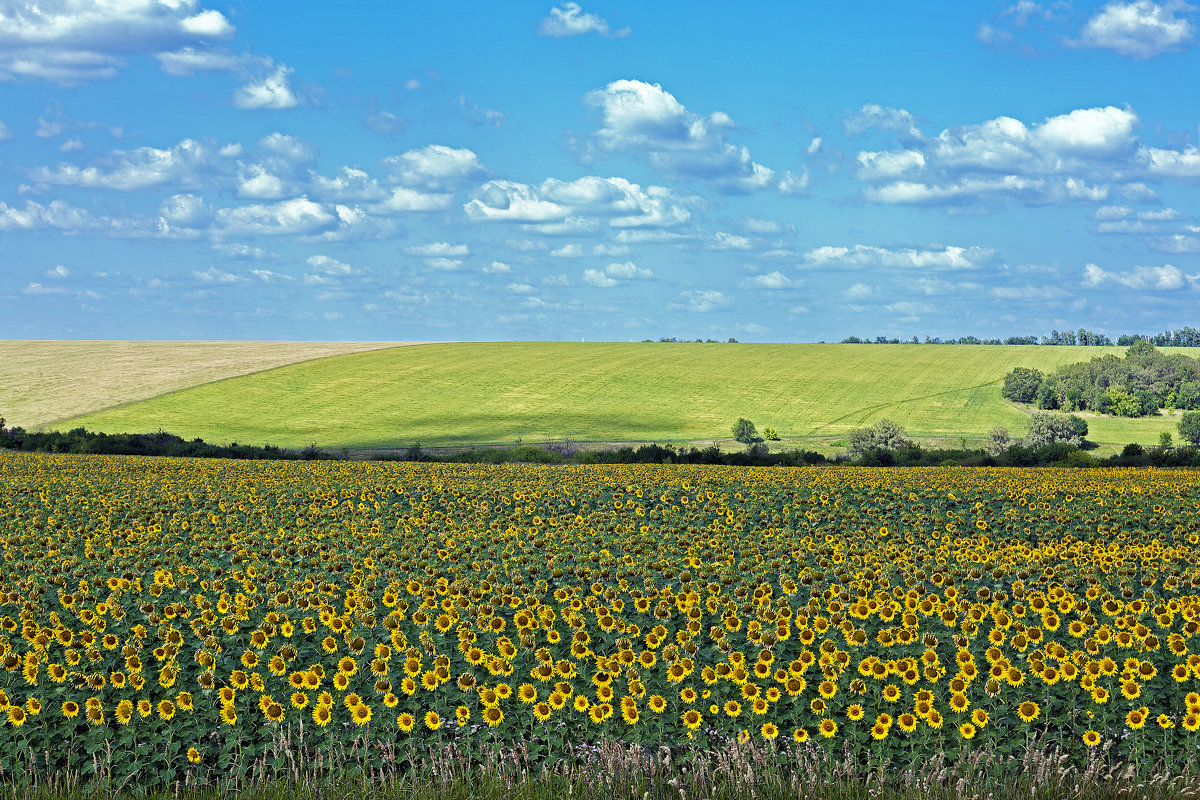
x: 183, y: 620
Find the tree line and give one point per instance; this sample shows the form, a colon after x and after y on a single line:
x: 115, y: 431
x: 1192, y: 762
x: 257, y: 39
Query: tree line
x: 1184, y: 337
x: 1138, y: 385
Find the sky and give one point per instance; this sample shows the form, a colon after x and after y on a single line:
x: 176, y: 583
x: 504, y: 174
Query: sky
x: 774, y: 171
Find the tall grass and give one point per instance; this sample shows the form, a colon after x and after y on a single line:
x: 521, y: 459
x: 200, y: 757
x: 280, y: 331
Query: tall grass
x: 614, y: 770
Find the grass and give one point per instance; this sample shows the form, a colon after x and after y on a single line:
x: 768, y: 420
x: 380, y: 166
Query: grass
x: 44, y: 382
x: 491, y: 393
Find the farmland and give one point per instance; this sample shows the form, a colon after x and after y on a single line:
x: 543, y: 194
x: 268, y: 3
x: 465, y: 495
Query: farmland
x: 43, y: 382
x: 170, y: 620
x: 480, y: 393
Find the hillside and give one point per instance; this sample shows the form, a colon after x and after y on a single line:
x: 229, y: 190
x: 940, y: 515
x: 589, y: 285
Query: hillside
x: 44, y: 382
x: 478, y: 393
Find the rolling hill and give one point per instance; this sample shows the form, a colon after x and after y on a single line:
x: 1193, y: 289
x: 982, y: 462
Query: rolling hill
x: 47, y: 381
x: 456, y: 394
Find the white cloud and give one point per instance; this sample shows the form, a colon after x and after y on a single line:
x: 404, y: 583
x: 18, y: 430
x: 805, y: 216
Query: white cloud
x: 297, y: 216
x: 191, y: 163
x: 214, y: 275
x: 272, y: 91
x: 1166, y: 277
x: 770, y: 280
x: 236, y: 251
x: 1140, y: 29
x: 404, y: 199
x: 568, y: 251
x: 571, y: 226
x: 190, y: 60
x: 875, y: 166
x: 187, y: 210
x: 729, y: 241
x: 59, y: 272
x: 324, y: 265
x: 4, y: 133
x: 75, y: 41
x: 572, y: 20
x: 1179, y: 164
x: 497, y: 268
x: 909, y: 308
x: 1005, y: 159
x: 597, y: 278
x: 646, y: 121
x: 615, y: 274
x: 1106, y: 213
x: 71, y: 146
x: 436, y: 249
x: 858, y: 291
x: 861, y: 255
x: 624, y: 204
x: 520, y: 288
x: 873, y: 116
x: 705, y: 300
x: 444, y: 264
x: 255, y: 182
x: 436, y: 167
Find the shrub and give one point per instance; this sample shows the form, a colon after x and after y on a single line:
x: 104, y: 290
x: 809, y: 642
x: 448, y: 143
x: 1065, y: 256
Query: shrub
x: 1052, y: 429
x: 771, y: 433
x: 998, y: 441
x: 883, y: 435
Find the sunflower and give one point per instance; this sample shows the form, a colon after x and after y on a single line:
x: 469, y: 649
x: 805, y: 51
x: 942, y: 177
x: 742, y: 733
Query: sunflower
x: 405, y: 721
x: 1091, y: 738
x: 1135, y: 719
x: 1028, y: 711
x: 462, y: 714
x: 979, y: 717
x: 493, y: 716
x: 321, y: 715
x: 70, y: 709
x: 692, y: 718
x: 228, y: 715
x: 966, y: 730
x: 193, y: 755
x: 907, y: 722
x: 433, y: 720
x: 828, y: 728
x: 800, y: 735
x: 769, y: 731
x: 542, y: 711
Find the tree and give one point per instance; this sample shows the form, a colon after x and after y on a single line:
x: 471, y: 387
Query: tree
x: 1052, y: 429
x: 1080, y: 426
x: 744, y: 431
x: 771, y: 433
x: 998, y: 441
x: 883, y: 435
x: 1022, y: 384
x: 1189, y: 428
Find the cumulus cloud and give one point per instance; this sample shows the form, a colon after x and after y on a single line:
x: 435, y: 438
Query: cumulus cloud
x: 861, y: 255
x: 622, y: 203
x: 1140, y: 29
x: 1062, y: 159
x: 4, y: 133
x: 191, y: 163
x: 270, y: 91
x: 62, y: 216
x: 1166, y: 277
x: 436, y: 167
x: 615, y: 274
x: 572, y: 20
x: 705, y: 300
x: 729, y: 241
x: 186, y: 210
x: 296, y: 216
x: 645, y: 120
x: 191, y: 60
x: 771, y: 280
x: 324, y: 265
x: 58, y: 272
x: 74, y: 41
x: 436, y: 249
x: 873, y: 116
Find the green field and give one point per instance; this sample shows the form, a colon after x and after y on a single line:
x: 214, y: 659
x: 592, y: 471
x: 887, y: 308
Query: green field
x: 494, y: 393
x: 43, y: 382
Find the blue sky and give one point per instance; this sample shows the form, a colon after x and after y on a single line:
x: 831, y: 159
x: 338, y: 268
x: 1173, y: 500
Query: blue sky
x: 185, y: 169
